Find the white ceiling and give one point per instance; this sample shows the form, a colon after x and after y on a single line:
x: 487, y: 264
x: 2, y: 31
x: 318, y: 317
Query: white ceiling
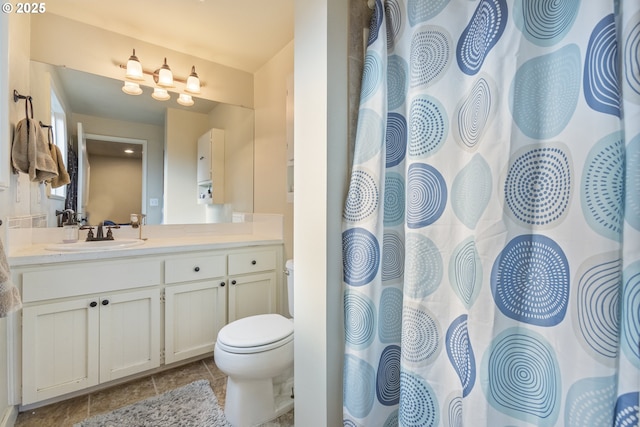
x: 242, y: 34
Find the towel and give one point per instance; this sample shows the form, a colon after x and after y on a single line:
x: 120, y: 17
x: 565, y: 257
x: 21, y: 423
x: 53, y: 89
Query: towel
x: 30, y: 151
x: 9, y: 296
x: 63, y: 176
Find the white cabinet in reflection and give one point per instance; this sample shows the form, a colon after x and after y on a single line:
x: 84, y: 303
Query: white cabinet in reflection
x: 210, y: 170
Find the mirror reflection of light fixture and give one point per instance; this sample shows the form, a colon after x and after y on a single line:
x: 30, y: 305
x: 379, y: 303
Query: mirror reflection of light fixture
x: 134, y: 68
x: 131, y: 88
x: 160, y: 94
x: 128, y: 151
x: 185, y: 100
x: 165, y: 76
x: 193, y: 82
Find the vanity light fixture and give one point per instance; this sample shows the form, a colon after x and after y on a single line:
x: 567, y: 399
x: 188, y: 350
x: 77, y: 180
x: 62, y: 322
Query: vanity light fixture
x: 163, y: 78
x: 134, y: 68
x: 185, y: 100
x: 193, y: 82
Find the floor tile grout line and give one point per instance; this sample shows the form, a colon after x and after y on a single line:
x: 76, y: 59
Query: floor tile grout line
x: 155, y: 387
x: 213, y: 379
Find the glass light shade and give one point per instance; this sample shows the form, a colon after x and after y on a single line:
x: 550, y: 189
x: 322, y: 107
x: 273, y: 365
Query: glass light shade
x: 185, y: 100
x: 165, y: 76
x: 193, y: 82
x: 131, y: 88
x: 160, y: 94
x: 134, y: 68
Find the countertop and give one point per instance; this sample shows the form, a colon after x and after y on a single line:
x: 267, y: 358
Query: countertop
x: 37, y: 254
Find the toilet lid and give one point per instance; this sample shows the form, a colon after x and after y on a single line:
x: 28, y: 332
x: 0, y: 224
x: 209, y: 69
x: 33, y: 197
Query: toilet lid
x: 256, y: 332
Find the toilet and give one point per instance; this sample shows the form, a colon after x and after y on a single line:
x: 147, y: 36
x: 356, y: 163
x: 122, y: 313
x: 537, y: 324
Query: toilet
x: 256, y: 354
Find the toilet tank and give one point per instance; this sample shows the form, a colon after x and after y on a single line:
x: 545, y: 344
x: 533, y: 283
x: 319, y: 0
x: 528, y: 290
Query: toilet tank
x: 289, y: 275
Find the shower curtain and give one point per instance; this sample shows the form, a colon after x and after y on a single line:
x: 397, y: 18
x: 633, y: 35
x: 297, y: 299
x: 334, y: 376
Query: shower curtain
x: 491, y: 231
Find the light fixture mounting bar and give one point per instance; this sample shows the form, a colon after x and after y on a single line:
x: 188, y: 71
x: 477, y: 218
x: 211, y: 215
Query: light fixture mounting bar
x: 154, y: 74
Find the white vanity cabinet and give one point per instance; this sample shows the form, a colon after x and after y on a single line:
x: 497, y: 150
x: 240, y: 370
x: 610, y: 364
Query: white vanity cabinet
x: 252, y: 283
x: 72, y: 342
x: 88, y: 322
x: 195, y: 305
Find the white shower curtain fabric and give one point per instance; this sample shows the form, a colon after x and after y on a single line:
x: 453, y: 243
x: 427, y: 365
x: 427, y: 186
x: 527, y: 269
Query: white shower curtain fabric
x: 491, y: 232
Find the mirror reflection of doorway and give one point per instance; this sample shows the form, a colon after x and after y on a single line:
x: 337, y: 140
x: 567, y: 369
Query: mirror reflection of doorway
x: 117, y: 184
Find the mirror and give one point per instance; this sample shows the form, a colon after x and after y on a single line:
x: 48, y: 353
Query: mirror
x: 166, y: 189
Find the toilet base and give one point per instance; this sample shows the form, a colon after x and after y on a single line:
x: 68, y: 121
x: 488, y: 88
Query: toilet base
x: 251, y: 403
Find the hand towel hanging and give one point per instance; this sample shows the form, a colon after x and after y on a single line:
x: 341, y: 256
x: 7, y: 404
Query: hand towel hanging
x: 63, y: 176
x: 9, y: 295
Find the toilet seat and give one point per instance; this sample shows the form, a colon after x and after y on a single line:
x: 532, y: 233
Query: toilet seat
x: 255, y: 334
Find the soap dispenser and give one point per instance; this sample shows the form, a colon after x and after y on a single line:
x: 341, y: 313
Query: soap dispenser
x: 70, y: 229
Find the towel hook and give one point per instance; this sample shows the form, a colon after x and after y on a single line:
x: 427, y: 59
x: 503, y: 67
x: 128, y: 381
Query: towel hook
x: 29, y: 102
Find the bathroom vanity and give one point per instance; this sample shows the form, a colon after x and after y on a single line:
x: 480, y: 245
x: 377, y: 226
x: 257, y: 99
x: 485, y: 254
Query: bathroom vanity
x: 91, y: 318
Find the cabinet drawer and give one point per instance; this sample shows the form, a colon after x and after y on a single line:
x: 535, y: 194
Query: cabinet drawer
x: 252, y: 262
x: 89, y: 278
x: 194, y: 268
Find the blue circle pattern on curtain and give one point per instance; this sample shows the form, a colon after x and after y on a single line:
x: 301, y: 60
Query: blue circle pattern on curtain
x: 418, y: 403
x: 545, y: 22
x: 423, y: 266
x: 431, y: 52
x: 465, y: 272
x: 596, y: 315
x: 481, y: 34
x: 626, y: 413
x: 530, y: 280
x: 632, y: 184
x: 631, y: 46
x: 392, y: 257
x: 453, y: 413
x: 588, y: 402
x: 369, y: 136
x: 361, y: 256
x: 601, y: 68
x: 390, y: 316
x: 421, y: 11
x: 388, y: 376
x: 375, y: 23
x: 631, y: 313
x: 363, y: 197
x: 396, y: 141
x: 474, y: 113
x: 471, y: 191
x: 421, y: 335
x: 602, y: 186
x: 397, y: 82
x: 359, y: 320
x: 428, y: 126
x: 426, y: 195
x: 372, y: 76
x: 394, y: 13
x: 394, y: 199
x: 537, y: 189
x: 520, y: 377
x: 553, y: 78
x: 460, y: 352
x: 360, y: 395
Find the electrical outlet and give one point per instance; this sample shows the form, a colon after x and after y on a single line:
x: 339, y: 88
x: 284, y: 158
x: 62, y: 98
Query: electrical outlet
x: 153, y: 202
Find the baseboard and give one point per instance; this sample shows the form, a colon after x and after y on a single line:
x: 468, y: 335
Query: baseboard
x: 9, y: 417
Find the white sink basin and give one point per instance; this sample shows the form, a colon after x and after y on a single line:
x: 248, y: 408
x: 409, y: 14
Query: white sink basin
x: 102, y: 245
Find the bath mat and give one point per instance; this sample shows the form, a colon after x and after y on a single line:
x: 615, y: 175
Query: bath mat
x: 191, y: 405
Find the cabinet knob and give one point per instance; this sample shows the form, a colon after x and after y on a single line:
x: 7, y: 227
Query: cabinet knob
x: 254, y: 262
x: 93, y: 304
x: 196, y: 269
x: 233, y: 282
x: 222, y: 283
x: 105, y: 302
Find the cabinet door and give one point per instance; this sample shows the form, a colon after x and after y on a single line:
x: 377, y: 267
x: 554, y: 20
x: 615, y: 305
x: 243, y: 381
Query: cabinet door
x: 129, y: 333
x: 60, y: 348
x: 194, y: 313
x: 204, y: 158
x: 252, y: 294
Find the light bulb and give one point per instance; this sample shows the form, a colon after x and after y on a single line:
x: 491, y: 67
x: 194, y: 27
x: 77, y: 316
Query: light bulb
x: 131, y: 88
x: 160, y: 94
x: 185, y: 100
x: 193, y: 82
x: 134, y: 68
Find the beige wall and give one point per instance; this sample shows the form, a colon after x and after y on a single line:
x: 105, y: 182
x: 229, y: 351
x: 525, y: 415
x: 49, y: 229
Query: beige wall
x: 270, y: 191
x: 115, y: 188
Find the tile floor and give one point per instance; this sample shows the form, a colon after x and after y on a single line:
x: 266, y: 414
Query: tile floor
x: 68, y: 412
